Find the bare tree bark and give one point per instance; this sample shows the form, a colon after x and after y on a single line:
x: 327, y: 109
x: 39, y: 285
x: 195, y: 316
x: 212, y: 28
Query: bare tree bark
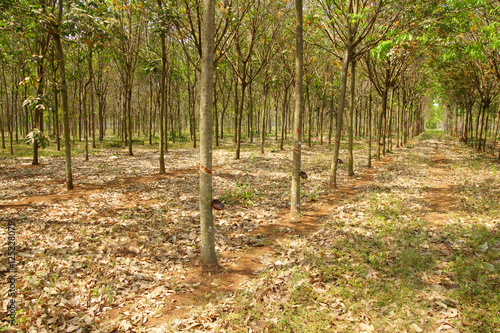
x: 495, y: 133
x: 91, y: 91
x: 370, y: 127
x: 264, y: 112
x: 64, y: 98
x: 299, y: 106
x: 309, y: 111
x: 162, y: 98
x: 338, y: 125
x: 351, y: 119
x: 209, y: 259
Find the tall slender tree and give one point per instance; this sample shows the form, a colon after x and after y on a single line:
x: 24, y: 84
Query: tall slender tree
x: 299, y: 106
x: 209, y: 258
x: 355, y: 25
x: 56, y: 34
x: 129, y: 29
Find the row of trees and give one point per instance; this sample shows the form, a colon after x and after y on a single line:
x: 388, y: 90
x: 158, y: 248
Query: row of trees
x: 135, y: 69
x: 468, y: 73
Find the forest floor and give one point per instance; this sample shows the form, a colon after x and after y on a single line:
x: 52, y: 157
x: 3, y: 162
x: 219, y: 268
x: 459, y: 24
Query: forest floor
x: 410, y: 245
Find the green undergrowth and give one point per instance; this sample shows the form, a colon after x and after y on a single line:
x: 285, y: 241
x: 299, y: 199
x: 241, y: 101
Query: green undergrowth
x: 243, y: 193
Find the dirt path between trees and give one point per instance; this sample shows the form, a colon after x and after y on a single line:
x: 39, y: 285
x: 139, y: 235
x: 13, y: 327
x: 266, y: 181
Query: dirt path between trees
x: 440, y: 193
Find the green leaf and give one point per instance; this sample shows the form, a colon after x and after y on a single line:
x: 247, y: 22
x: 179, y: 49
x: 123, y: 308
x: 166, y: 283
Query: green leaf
x: 381, y: 50
x: 37, y: 136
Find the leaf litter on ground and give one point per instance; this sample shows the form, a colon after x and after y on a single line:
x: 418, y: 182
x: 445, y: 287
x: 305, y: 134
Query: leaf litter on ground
x: 123, y: 254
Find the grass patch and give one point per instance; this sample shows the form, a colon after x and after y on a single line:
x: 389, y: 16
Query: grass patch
x: 243, y: 194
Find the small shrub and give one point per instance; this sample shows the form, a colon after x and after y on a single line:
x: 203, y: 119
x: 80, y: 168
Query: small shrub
x: 115, y: 144
x: 243, y: 194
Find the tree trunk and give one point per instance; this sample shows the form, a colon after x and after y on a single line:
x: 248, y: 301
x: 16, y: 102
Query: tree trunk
x: 209, y: 259
x: 321, y: 115
x: 240, y: 116
x: 381, y: 122
x: 26, y: 111
x: 263, y: 120
x: 2, y: 130
x: 495, y: 132
x: 485, y: 128
x: 223, y: 113
x: 17, y: 111
x: 250, y: 111
x: 85, y: 123
x: 330, y: 123
x: 466, y: 126
x: 370, y: 128
x: 91, y: 91
x: 351, y: 119
x: 477, y: 144
x: 216, y: 114
x: 338, y: 122
x: 129, y: 111
x: 191, y: 104
x: 64, y: 98
x: 299, y: 106
x: 236, y: 110
x: 9, y: 114
x: 168, y: 89
x: 398, y: 118
x: 276, y: 101
x: 389, y: 122
x: 283, y: 118
x: 309, y: 111
x: 102, y: 96
x: 150, y: 122
x: 384, y: 132
x: 56, y: 116
x: 357, y: 118
x: 38, y: 119
x: 178, y: 110
x: 162, y: 99
x: 482, y: 126
x: 123, y: 124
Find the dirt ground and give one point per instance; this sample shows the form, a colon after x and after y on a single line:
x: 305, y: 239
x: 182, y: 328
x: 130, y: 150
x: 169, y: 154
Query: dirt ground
x: 120, y: 252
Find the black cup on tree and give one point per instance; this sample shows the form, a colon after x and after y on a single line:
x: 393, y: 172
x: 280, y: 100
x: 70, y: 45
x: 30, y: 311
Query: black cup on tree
x: 217, y: 204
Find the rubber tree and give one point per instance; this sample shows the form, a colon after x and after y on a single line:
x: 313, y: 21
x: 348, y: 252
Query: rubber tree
x: 350, y: 166
x: 487, y: 88
x: 484, y: 48
x: 90, y: 29
x: 249, y: 32
x: 209, y: 258
x: 129, y: 30
x: 224, y: 92
x: 383, y: 67
x: 36, y: 16
x: 456, y: 77
x: 370, y: 126
x: 299, y: 106
x: 9, y: 51
x: 56, y: 34
x: 354, y: 25
x: 165, y: 15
